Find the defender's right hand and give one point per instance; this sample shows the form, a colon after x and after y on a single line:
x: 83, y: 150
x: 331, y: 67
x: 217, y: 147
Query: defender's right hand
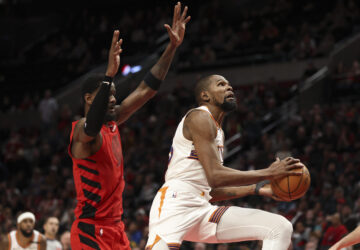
x: 285, y: 167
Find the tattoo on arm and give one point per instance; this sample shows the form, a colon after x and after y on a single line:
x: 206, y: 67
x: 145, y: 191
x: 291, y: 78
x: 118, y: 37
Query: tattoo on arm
x: 230, y: 194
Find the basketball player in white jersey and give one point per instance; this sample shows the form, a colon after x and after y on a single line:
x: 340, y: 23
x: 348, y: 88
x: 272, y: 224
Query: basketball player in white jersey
x: 51, y: 227
x: 181, y: 210
x: 25, y: 237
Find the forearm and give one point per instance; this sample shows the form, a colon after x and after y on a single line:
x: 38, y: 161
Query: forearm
x: 350, y: 239
x: 228, y: 193
x: 225, y: 176
x: 160, y: 69
x: 96, y: 114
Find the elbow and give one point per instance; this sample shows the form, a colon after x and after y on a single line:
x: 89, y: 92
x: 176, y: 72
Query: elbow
x: 214, y: 181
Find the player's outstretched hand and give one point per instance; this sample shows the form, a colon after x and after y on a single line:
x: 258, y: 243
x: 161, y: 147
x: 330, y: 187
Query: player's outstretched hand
x: 177, y: 30
x: 114, y: 55
x: 285, y: 167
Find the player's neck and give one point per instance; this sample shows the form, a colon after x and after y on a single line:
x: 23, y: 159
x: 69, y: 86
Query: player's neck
x: 217, y: 113
x: 49, y: 236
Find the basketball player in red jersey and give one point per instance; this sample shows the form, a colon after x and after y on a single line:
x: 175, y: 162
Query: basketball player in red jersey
x: 95, y: 145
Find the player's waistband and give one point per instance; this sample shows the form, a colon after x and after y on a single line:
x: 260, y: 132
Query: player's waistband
x: 103, y: 221
x: 185, y: 186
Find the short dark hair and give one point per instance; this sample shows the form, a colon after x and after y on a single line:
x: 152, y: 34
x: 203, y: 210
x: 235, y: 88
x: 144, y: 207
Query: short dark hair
x: 48, y: 218
x: 201, y: 85
x: 91, y: 84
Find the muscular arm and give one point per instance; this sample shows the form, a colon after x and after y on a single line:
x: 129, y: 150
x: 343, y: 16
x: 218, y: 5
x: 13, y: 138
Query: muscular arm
x: 262, y: 188
x: 201, y: 129
x: 87, y: 138
x: 229, y: 193
x: 82, y: 145
x: 349, y: 240
x: 143, y: 92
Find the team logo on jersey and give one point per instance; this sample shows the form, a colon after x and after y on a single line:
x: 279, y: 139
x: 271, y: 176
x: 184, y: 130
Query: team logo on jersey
x: 101, y: 231
x: 174, y: 194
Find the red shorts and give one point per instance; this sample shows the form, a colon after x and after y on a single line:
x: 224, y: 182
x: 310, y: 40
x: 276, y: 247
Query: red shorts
x: 89, y: 234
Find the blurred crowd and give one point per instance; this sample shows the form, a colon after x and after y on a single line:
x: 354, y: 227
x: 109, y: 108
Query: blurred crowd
x: 346, y: 80
x: 271, y: 30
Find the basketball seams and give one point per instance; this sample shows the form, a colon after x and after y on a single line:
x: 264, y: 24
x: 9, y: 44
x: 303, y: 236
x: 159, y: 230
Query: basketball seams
x: 292, y: 187
x: 300, y: 180
x: 288, y: 181
x: 279, y: 187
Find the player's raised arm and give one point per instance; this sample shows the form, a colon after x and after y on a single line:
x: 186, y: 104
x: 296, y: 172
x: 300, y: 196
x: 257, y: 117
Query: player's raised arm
x: 152, y: 81
x: 201, y: 129
x: 88, y: 129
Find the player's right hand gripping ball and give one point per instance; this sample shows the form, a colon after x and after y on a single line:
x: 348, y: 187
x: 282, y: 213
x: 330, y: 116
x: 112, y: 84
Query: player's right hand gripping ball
x: 292, y: 187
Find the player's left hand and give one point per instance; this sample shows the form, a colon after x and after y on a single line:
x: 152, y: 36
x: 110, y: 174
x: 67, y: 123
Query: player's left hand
x: 267, y: 191
x: 114, y: 55
x: 177, y: 30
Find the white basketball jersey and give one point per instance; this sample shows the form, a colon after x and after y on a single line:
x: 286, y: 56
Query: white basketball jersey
x: 14, y: 245
x: 184, y: 164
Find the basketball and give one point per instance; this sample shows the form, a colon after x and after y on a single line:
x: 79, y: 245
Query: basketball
x: 292, y: 187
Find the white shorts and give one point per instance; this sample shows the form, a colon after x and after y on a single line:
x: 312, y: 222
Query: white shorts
x: 177, y: 213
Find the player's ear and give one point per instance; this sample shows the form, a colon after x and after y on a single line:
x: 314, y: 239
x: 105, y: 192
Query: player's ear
x: 88, y: 98
x: 205, y: 96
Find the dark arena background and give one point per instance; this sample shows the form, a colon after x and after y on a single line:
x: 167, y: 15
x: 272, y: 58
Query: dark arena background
x: 294, y: 66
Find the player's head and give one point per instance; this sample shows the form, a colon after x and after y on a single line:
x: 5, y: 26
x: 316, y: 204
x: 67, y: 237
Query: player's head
x: 26, y: 224
x: 89, y: 90
x: 215, y: 90
x: 51, y: 226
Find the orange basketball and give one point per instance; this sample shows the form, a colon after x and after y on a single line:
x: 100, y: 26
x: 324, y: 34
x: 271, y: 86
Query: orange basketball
x: 292, y: 187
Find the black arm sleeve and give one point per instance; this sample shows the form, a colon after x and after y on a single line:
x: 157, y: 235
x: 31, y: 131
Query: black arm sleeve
x: 96, y: 115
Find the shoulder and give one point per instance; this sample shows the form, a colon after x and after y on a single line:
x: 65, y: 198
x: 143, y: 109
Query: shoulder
x: 42, y: 239
x: 200, y: 118
x: 200, y: 121
x: 80, y: 122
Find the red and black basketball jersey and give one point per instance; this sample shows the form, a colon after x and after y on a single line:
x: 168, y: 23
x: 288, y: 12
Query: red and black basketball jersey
x: 99, y: 180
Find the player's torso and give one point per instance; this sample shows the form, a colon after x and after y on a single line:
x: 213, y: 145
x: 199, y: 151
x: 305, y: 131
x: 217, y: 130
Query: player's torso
x: 184, y: 164
x: 99, y: 178
x: 14, y: 244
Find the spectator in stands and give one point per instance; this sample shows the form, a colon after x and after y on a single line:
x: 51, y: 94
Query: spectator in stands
x: 51, y: 227
x: 24, y: 236
x: 65, y: 240
x: 334, y: 232
x: 48, y: 107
